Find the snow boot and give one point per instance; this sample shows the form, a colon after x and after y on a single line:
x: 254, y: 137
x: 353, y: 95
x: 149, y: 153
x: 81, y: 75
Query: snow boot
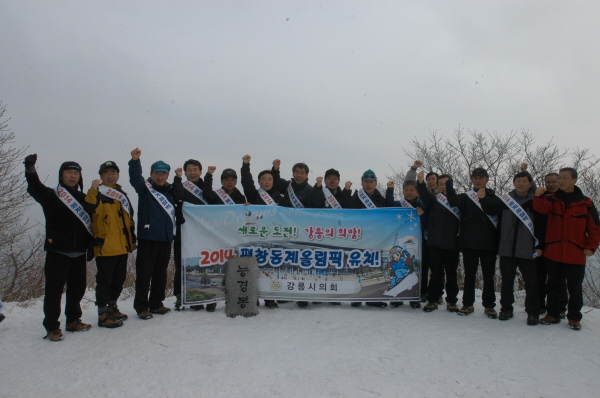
x: 113, y: 312
x: 574, y: 325
x: 505, y: 315
x: 379, y: 304
x: 429, y: 307
x: 549, y: 320
x: 106, y: 321
x: 415, y: 304
x: 78, y: 326
x: 197, y: 307
x: 491, y: 313
x: 271, y: 304
x: 145, y: 315
x: 396, y: 304
x: 533, y: 320
x: 452, y: 307
x: 356, y: 304
x: 302, y: 304
x: 211, y: 307
x: 55, y: 335
x: 160, y: 310
x: 466, y: 310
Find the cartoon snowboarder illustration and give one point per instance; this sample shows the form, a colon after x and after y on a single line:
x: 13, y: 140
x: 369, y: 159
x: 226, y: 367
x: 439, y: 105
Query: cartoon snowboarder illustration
x: 400, y: 265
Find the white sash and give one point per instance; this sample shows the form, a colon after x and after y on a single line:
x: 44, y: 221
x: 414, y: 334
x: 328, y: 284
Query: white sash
x: 266, y: 197
x: 163, y: 202
x: 75, y: 207
x: 116, y: 195
x: 444, y: 202
x: 293, y: 198
x: 520, y: 213
x: 331, y: 199
x: 364, y: 198
x: 194, y: 190
x: 224, y: 197
x: 405, y: 203
x: 473, y: 195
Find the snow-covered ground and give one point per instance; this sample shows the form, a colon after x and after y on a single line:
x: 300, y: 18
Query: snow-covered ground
x: 321, y: 351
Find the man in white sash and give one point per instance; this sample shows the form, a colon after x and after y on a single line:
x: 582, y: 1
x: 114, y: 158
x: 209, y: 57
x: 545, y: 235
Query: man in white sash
x: 155, y: 231
x: 296, y: 191
x: 68, y: 238
x: 190, y: 191
x: 521, y: 240
x: 268, y: 180
x: 114, y: 239
x: 228, y: 194
x: 442, y: 244
x: 478, y: 240
x: 331, y: 195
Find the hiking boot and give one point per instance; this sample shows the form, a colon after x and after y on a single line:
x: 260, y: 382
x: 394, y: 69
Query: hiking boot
x: 429, y: 307
x: 197, y: 307
x: 145, y: 315
x: 452, y: 307
x: 211, y: 307
x: 396, y: 304
x: 533, y: 320
x: 562, y: 315
x: 423, y: 298
x: 302, y: 304
x: 491, y: 313
x: 160, y: 310
x: 106, y: 321
x: 415, y: 304
x: 549, y: 320
x: 466, y: 310
x: 441, y: 300
x: 113, y: 312
x: 505, y: 315
x: 271, y: 304
x: 575, y: 325
x: 357, y: 304
x: 379, y: 304
x: 78, y: 326
x: 55, y: 335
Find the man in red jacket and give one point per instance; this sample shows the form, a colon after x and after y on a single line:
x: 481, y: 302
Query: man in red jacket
x: 572, y: 233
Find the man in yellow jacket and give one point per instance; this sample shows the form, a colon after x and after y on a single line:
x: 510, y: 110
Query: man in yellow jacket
x: 114, y: 239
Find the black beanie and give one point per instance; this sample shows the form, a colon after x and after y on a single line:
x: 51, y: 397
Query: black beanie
x: 71, y: 166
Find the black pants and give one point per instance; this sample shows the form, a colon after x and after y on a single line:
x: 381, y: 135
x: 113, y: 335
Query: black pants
x: 425, y: 267
x: 574, y: 273
x: 112, y: 271
x: 508, y: 269
x: 442, y: 262
x: 471, y: 259
x: 542, y: 276
x: 60, y: 270
x: 151, y: 274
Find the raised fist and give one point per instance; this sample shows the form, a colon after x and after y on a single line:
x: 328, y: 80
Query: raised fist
x: 390, y: 184
x: 420, y: 211
x: 136, y: 153
x: 211, y: 169
x: 276, y: 164
x: 246, y: 159
x: 421, y: 176
x: 417, y: 164
x: 30, y: 160
x: 540, y: 191
x: 178, y: 172
x: 348, y: 184
x: 95, y: 184
x: 319, y: 181
x: 524, y: 166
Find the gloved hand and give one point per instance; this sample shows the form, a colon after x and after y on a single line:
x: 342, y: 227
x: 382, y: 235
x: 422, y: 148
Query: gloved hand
x: 29, y: 162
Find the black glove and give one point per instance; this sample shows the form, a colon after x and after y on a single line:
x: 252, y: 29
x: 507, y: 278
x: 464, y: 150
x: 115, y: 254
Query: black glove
x: 29, y: 161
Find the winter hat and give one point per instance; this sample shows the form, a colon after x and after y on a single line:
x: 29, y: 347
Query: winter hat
x: 70, y: 165
x: 228, y: 173
x: 160, y: 166
x: 369, y: 175
x: 108, y: 165
x: 480, y: 171
x: 332, y: 171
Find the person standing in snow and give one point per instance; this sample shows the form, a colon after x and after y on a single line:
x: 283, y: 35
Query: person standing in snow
x: 68, y: 238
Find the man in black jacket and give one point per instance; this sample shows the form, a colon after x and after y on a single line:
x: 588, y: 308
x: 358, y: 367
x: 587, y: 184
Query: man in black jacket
x: 521, y: 239
x: 190, y: 191
x: 228, y: 194
x: 268, y: 180
x: 68, y: 238
x: 369, y: 196
x: 478, y: 240
x: 442, y: 243
x: 295, y: 192
x: 330, y: 195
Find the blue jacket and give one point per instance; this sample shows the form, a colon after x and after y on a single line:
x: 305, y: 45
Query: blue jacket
x: 153, y: 221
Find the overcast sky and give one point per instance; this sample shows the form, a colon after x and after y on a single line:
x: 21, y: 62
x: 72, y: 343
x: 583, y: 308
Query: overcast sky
x: 343, y: 84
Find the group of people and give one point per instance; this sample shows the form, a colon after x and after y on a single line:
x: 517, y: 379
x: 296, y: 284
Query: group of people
x: 544, y: 232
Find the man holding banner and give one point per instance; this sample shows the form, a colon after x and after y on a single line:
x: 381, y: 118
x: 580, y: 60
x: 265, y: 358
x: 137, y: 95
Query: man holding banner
x: 190, y: 191
x: 521, y: 240
x: 114, y: 239
x: 68, y: 237
x: 156, y: 229
x: 296, y: 191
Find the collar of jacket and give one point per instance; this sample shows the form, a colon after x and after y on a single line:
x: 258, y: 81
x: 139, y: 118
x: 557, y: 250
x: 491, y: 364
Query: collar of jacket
x: 578, y: 195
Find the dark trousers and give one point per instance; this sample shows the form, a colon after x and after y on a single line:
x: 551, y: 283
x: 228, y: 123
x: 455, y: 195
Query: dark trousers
x: 471, y: 259
x: 425, y: 267
x: 542, y: 276
x: 443, y: 262
x: 112, y: 271
x: 151, y: 274
x: 508, y: 269
x: 60, y: 270
x: 574, y: 273
x: 178, y: 265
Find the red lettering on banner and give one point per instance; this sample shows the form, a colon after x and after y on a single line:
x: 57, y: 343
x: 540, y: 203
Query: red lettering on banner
x: 214, y: 257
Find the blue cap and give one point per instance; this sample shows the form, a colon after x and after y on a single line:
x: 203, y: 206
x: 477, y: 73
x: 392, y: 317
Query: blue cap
x: 369, y: 175
x: 160, y: 166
